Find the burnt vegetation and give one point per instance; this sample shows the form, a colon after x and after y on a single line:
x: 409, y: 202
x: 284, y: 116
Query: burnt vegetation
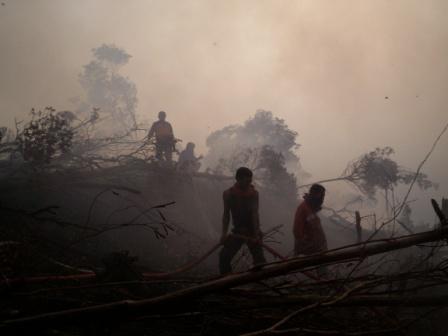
x: 98, y: 237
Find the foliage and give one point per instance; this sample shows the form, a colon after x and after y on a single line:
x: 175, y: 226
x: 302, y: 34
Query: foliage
x: 247, y: 157
x: 67, y: 141
x: 269, y: 168
x: 233, y: 142
x: 3, y: 131
x: 275, y: 175
x: 263, y: 143
x: 377, y: 170
x: 46, y: 136
x: 110, y: 91
x: 111, y: 54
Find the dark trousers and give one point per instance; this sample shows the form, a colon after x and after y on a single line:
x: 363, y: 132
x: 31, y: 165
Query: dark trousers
x: 231, y: 247
x: 164, y: 150
x: 302, y: 247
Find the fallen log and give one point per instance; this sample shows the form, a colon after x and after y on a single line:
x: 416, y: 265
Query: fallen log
x: 126, y: 308
x: 350, y: 301
x: 47, y: 278
x: 89, y: 275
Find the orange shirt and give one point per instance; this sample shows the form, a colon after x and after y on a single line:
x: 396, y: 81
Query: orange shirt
x: 162, y: 130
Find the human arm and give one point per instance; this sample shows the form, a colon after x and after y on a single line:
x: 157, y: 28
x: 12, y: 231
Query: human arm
x: 171, y: 135
x: 225, y: 217
x: 151, y: 131
x: 299, y: 223
x: 170, y: 129
x: 256, y: 216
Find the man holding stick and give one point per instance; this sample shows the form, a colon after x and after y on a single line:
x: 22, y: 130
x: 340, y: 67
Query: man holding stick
x: 241, y: 202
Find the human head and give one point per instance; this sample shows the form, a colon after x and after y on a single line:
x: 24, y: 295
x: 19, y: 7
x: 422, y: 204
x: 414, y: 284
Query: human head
x: 190, y: 146
x: 162, y: 115
x: 243, y: 177
x: 316, y: 196
x: 317, y: 190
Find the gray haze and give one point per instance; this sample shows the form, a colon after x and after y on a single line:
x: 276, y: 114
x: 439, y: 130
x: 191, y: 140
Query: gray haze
x: 326, y: 67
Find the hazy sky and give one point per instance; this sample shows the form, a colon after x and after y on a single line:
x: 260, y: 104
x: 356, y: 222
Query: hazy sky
x: 325, y: 66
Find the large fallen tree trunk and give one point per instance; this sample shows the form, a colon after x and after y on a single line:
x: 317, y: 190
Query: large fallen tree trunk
x: 130, y: 307
x: 351, y: 301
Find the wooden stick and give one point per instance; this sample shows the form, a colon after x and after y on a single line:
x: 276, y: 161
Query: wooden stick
x: 438, y: 211
x: 358, y: 227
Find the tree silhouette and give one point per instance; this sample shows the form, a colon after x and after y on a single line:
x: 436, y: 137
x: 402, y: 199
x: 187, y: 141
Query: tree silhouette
x: 47, y: 135
x: 376, y: 170
x: 108, y: 90
x: 232, y: 143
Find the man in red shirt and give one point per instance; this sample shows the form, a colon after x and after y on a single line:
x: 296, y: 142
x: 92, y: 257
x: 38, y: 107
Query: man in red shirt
x: 308, y: 233
x: 240, y: 202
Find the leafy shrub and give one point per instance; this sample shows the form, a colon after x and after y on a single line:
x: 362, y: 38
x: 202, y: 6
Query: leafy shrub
x: 46, y: 136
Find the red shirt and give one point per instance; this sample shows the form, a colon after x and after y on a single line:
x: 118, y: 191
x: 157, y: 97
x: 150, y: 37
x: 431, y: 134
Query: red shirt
x: 308, y: 230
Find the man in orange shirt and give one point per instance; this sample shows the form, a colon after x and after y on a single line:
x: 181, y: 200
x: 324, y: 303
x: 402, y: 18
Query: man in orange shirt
x: 308, y: 233
x: 163, y: 133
